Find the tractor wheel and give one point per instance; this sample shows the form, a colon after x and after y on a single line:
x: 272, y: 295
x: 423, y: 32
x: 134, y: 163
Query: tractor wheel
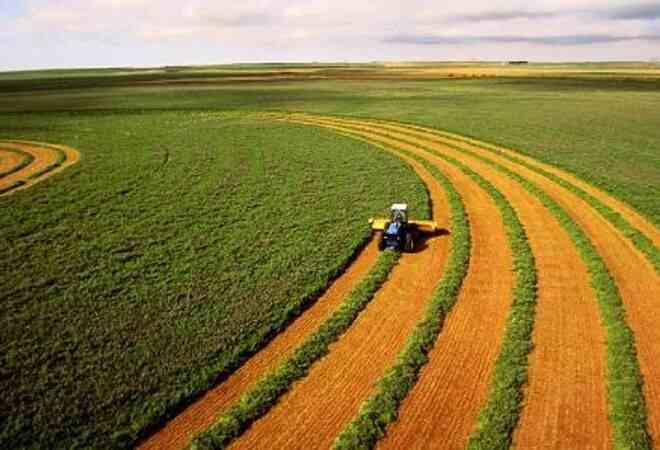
x: 381, y: 242
x: 410, y: 242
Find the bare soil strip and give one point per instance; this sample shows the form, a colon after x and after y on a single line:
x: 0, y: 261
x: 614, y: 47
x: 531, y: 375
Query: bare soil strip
x: 178, y: 432
x: 566, y: 403
x: 460, y: 365
x: 638, y: 284
x: 631, y: 216
x: 45, y: 156
x: 10, y: 160
x: 320, y: 405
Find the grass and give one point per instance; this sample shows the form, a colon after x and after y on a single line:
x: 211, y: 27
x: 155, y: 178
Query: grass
x: 258, y: 401
x: 178, y: 245
x: 567, y: 121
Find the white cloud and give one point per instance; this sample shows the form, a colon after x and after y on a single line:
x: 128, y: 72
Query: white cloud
x: 224, y: 31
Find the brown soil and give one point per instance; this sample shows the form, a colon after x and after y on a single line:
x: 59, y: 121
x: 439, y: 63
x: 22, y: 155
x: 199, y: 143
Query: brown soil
x: 635, y: 277
x: 43, y: 157
x: 9, y: 160
x: 320, y: 405
x: 565, y: 401
x: 177, y: 433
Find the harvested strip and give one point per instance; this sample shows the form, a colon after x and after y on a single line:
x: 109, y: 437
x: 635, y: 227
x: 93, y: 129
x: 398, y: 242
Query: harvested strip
x: 626, y: 220
x: 258, y: 401
x: 48, y: 160
x: 567, y: 370
x: 320, y: 405
x: 12, y: 161
x: 628, y: 213
x: 381, y: 408
x: 201, y: 414
x: 635, y: 279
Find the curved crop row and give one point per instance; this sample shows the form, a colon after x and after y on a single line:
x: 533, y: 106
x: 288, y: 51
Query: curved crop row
x: 258, y: 401
x: 26, y: 161
x: 499, y: 416
x: 641, y: 241
x: 625, y: 398
x: 381, y: 407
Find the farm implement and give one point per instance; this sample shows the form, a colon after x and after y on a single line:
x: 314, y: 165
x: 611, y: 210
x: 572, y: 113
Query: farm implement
x: 398, y: 232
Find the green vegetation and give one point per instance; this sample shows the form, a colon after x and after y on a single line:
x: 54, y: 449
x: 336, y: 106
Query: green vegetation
x: 567, y: 119
x: 257, y: 402
x: 627, y: 410
x: 181, y: 242
x: 380, y: 408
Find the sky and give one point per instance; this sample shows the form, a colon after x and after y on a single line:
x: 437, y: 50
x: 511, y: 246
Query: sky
x: 140, y: 33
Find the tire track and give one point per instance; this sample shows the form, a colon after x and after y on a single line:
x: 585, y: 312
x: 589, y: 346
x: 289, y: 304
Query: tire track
x: 48, y: 160
x: 320, y: 405
x: 569, y: 353
x: 178, y: 432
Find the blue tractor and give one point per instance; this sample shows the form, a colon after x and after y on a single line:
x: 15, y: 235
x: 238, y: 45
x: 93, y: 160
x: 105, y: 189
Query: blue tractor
x: 399, y: 233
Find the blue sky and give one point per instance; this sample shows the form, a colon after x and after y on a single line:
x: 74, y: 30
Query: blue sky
x: 101, y: 33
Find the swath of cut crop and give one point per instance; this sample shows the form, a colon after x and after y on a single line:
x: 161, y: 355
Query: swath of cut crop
x: 177, y: 433
x: 637, y: 282
x: 12, y: 161
x: 320, y: 405
x: 568, y: 361
x: 46, y: 160
x: 460, y: 364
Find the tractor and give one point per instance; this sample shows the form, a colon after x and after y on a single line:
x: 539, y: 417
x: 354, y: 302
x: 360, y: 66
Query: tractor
x: 398, y: 232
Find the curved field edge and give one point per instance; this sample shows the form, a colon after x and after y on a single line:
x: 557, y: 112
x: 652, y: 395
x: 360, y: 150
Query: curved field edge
x: 181, y: 250
x: 26, y: 161
x: 380, y: 408
x: 256, y: 402
x: 639, y: 239
x: 626, y: 405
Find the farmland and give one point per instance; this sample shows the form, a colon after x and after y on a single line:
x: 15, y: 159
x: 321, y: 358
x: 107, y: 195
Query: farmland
x: 203, y: 274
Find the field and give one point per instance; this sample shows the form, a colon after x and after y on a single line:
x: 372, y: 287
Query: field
x: 199, y: 269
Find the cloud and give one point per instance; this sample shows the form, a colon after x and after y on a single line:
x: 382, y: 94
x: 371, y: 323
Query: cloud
x: 562, y: 40
x: 500, y: 16
x: 639, y: 11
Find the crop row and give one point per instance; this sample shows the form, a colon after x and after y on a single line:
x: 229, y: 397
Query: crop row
x: 257, y: 402
x: 627, y: 411
x: 500, y: 413
x: 639, y: 239
x: 26, y: 161
x: 381, y: 407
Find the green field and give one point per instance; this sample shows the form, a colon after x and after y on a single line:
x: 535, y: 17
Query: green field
x: 176, y: 246
x: 192, y: 231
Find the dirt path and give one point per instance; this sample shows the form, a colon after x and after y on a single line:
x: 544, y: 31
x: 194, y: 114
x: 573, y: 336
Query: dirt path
x: 177, y: 433
x: 9, y: 160
x: 635, y: 277
x: 320, y: 405
x: 44, y: 155
x: 566, y: 395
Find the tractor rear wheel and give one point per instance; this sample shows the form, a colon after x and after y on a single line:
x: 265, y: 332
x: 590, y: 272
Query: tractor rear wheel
x: 410, y: 242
